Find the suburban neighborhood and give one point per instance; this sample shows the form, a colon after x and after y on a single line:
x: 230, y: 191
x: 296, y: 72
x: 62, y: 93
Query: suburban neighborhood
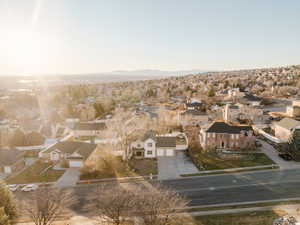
x: 149, y: 112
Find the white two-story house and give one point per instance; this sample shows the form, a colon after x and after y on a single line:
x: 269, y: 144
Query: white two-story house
x: 152, y: 145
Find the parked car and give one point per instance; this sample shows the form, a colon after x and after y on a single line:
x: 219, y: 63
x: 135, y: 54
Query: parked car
x: 258, y: 144
x: 30, y: 187
x: 13, y: 187
x: 285, y: 156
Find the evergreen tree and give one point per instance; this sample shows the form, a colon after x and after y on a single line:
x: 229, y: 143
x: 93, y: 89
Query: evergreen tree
x: 294, y: 144
x: 18, y: 138
x: 8, y: 210
x: 4, y: 220
x: 211, y: 92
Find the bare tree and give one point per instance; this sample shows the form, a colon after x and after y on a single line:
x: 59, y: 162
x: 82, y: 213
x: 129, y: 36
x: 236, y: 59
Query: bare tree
x: 47, y: 204
x: 126, y: 127
x: 112, y: 204
x: 158, y: 205
x: 154, y: 205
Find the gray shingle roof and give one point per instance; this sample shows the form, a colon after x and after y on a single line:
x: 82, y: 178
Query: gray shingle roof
x: 82, y: 148
x: 222, y: 127
x: 89, y: 126
x: 194, y: 112
x: 165, y: 142
x: 288, y: 123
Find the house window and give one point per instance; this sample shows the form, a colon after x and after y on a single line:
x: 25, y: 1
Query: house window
x: 149, y: 145
x: 149, y: 152
x: 138, y: 153
x: 138, y: 145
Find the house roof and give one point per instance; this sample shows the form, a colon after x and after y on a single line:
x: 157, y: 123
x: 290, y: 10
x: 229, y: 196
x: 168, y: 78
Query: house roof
x: 222, y: 127
x: 252, y: 98
x: 194, y: 112
x: 234, y: 107
x: 82, y: 148
x: 90, y: 126
x: 194, y: 104
x: 9, y: 156
x: 165, y: 142
x: 288, y: 123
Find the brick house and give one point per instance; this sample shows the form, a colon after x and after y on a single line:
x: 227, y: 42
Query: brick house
x: 223, y: 135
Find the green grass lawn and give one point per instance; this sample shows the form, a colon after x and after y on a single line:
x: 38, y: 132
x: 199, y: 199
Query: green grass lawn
x: 248, y: 218
x: 32, y: 174
x: 211, y: 161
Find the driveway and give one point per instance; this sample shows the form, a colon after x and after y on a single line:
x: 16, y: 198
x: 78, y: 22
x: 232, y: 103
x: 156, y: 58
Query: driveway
x: 167, y: 168
x: 69, y: 178
x: 171, y: 167
x: 272, y: 153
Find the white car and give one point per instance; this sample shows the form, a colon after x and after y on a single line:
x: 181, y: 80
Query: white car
x: 30, y: 187
x: 13, y: 187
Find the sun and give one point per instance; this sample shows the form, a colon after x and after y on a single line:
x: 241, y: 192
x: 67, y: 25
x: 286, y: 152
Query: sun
x: 24, y: 50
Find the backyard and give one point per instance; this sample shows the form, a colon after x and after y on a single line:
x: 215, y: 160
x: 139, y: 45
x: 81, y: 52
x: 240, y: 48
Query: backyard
x: 36, y: 173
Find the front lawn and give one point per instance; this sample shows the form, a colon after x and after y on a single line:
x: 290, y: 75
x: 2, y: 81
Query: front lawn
x: 248, y: 218
x: 33, y: 174
x: 115, y: 167
x: 210, y: 160
x: 143, y: 167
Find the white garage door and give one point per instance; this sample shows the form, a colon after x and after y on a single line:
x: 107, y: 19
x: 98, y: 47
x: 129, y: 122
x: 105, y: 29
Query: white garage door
x: 74, y: 163
x: 170, y: 152
x: 160, y: 152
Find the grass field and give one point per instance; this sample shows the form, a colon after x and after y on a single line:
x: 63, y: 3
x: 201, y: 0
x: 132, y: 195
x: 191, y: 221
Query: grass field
x: 249, y: 218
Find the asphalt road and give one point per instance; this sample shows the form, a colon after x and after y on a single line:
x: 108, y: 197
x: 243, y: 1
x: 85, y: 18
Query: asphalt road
x: 220, y: 189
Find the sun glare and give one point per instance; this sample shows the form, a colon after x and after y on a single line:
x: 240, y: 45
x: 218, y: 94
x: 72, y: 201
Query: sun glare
x: 24, y: 50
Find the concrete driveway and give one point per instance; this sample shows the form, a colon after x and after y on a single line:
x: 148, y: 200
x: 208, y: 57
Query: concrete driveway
x: 272, y: 153
x: 69, y: 178
x: 171, y: 167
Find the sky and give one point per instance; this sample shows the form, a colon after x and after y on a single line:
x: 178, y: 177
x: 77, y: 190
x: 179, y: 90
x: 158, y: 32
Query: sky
x: 90, y: 36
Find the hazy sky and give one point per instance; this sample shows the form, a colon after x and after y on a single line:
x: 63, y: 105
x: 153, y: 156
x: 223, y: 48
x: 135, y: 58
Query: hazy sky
x: 80, y: 36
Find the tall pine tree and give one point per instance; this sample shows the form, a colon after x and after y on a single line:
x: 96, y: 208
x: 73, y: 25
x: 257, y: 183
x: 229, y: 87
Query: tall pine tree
x: 294, y: 144
x: 8, y: 210
x: 4, y: 219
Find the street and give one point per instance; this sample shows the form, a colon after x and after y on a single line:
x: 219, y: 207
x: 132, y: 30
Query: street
x: 219, y: 189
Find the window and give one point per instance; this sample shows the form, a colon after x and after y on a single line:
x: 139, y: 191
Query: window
x: 149, y: 144
x: 149, y: 152
x: 138, y: 153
